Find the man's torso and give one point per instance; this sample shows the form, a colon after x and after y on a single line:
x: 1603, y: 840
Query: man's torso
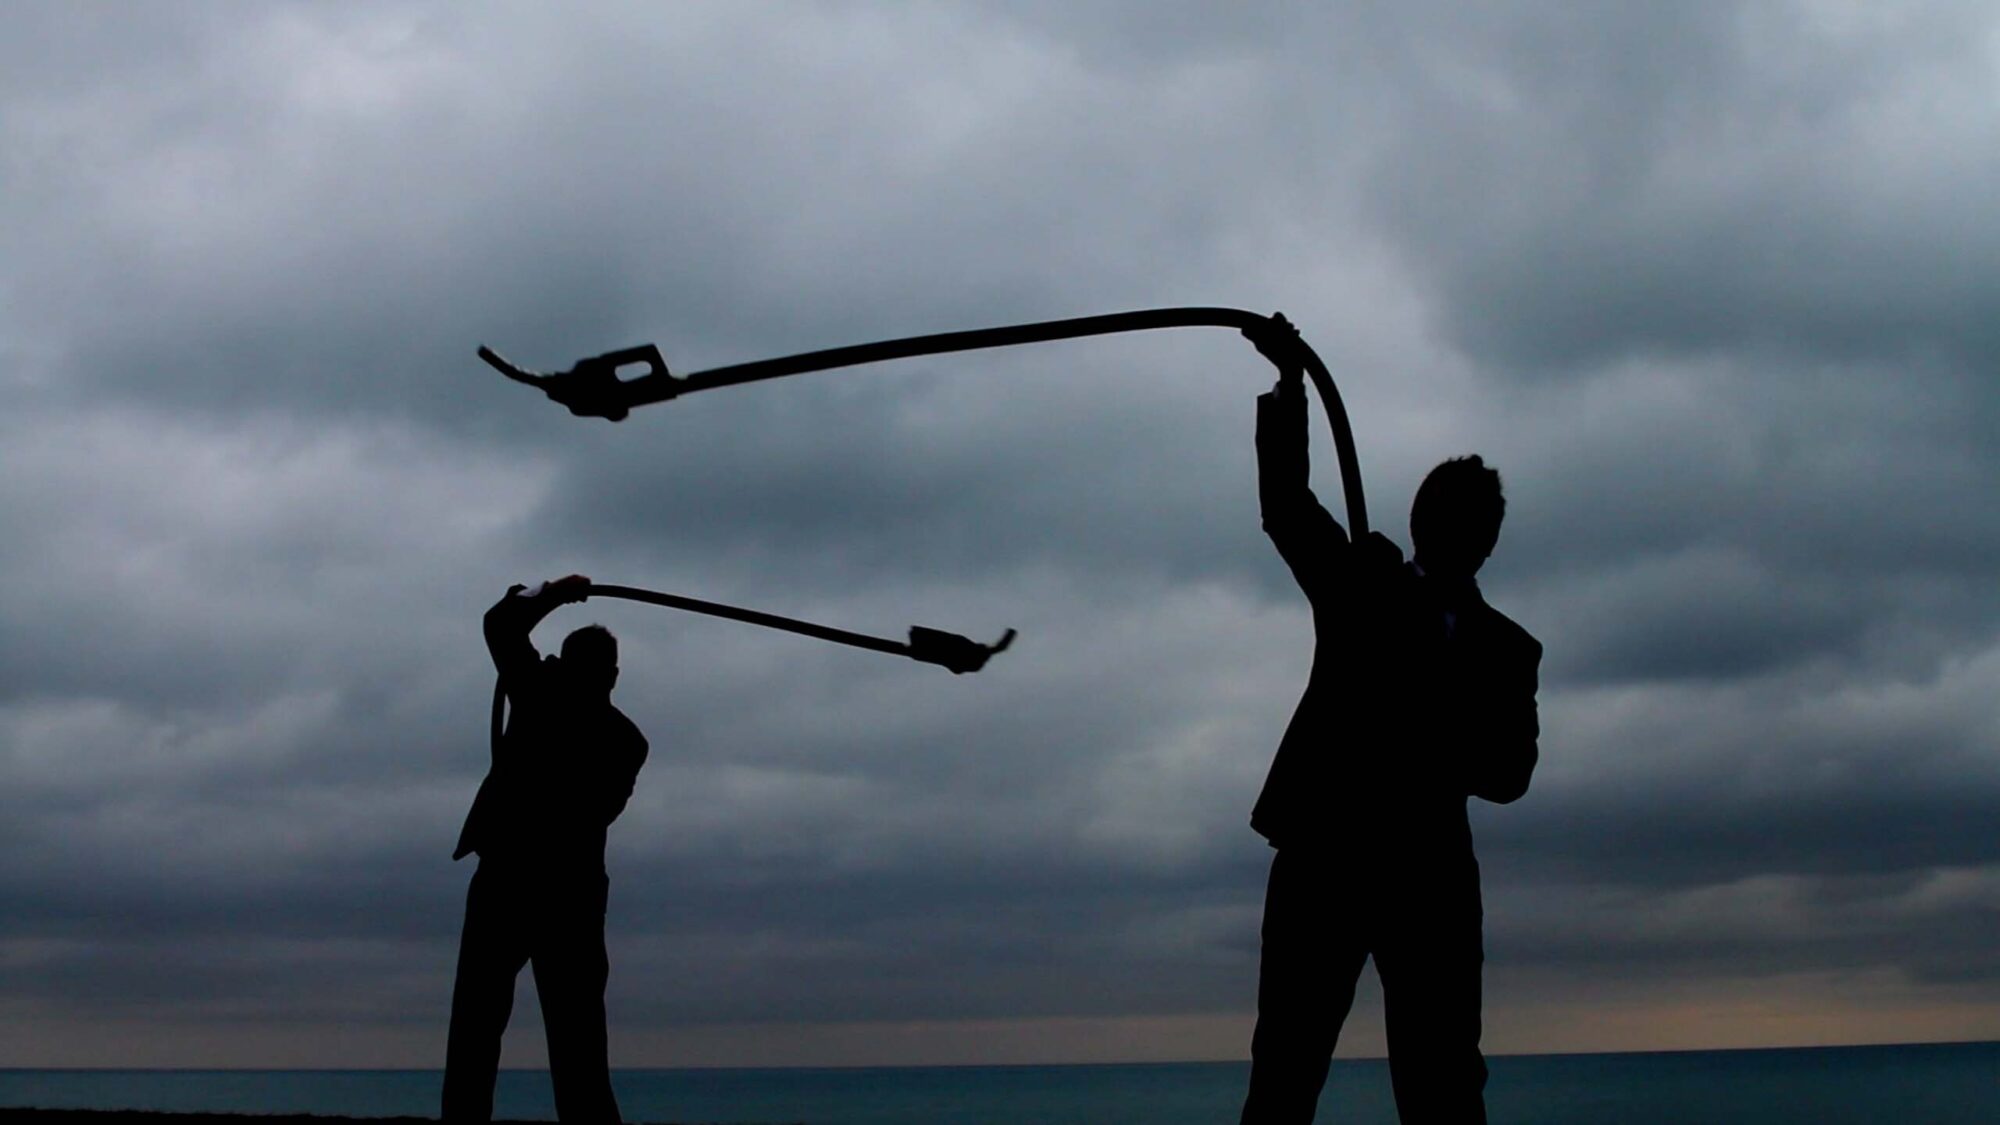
x: 1399, y: 679
x: 560, y: 775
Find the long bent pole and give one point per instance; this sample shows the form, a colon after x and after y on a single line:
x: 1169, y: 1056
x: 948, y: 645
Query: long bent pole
x: 592, y: 388
x: 929, y: 646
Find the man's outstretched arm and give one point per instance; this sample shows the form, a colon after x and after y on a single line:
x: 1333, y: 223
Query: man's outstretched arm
x: 515, y: 616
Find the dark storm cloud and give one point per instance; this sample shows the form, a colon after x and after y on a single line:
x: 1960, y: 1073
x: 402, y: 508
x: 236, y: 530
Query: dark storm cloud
x: 1701, y: 178
x: 1752, y: 515
x: 781, y: 198
x: 962, y: 469
x: 1933, y: 923
x: 1706, y: 283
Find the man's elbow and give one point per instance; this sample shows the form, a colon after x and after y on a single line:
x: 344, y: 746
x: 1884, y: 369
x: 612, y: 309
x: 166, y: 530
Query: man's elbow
x: 510, y: 616
x: 498, y: 627
x: 503, y: 613
x: 1506, y: 787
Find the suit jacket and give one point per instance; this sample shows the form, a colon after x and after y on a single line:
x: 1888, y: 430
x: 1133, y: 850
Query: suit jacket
x: 1403, y: 716
x: 565, y: 766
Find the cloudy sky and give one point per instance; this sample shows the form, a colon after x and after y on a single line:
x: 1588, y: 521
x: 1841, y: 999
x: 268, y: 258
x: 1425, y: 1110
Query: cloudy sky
x: 1716, y: 286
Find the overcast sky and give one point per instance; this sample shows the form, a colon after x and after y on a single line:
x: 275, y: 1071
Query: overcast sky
x: 1715, y: 286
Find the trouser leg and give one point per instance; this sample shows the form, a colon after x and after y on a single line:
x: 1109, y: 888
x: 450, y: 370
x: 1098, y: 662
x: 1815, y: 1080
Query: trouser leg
x: 1430, y: 968
x: 570, y: 976
x: 491, y: 951
x: 1313, y: 950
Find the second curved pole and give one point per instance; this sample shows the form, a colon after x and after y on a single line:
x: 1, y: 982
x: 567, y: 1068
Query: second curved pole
x: 592, y: 388
x: 928, y: 646
x: 950, y: 651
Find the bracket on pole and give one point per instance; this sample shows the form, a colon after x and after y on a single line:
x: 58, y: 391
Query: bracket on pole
x: 591, y: 388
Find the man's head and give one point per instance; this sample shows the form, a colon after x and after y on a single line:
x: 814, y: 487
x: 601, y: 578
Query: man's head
x: 590, y: 660
x: 1455, y: 519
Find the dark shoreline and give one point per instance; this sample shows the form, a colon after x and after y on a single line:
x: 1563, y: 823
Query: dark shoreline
x: 149, y: 1117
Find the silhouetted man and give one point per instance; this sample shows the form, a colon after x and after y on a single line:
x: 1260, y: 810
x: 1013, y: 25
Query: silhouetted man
x: 1420, y: 696
x: 561, y: 774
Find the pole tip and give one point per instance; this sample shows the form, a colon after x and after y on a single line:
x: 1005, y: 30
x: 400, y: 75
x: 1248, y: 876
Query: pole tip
x: 953, y: 652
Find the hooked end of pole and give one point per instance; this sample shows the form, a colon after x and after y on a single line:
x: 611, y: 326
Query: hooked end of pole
x: 949, y: 650
x: 591, y: 387
x: 510, y: 369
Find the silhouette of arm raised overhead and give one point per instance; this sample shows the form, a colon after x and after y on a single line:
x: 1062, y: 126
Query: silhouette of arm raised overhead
x: 1307, y: 536
x: 515, y: 616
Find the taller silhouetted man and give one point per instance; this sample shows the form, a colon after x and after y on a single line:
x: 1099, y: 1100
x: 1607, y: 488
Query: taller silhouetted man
x: 561, y: 774
x: 1421, y: 695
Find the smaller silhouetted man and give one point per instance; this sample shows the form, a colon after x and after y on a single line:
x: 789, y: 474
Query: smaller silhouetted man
x: 1421, y: 695
x: 561, y: 774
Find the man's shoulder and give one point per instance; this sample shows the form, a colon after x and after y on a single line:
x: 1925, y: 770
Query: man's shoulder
x: 627, y: 730
x: 1508, y: 635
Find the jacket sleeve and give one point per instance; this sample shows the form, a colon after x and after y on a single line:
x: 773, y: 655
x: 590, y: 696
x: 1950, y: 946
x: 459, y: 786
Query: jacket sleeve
x: 1504, y: 752
x: 627, y: 778
x: 1307, y: 536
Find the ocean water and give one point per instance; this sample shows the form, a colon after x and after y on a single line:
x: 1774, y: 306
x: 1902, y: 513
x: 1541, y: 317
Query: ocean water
x: 1931, y: 1084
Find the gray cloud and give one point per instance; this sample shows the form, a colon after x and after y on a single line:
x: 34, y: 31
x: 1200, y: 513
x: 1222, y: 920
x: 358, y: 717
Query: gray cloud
x: 1706, y: 284
x: 1700, y: 180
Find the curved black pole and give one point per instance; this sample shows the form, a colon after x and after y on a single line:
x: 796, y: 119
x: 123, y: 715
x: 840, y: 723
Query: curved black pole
x: 592, y: 388
x: 928, y: 646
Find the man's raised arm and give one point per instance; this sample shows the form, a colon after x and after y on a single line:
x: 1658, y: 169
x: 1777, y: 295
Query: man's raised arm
x: 515, y: 616
x: 1307, y: 536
